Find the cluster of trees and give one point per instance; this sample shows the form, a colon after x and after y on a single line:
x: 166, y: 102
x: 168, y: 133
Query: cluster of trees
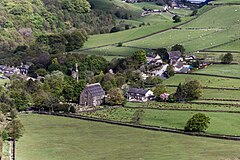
x: 24, y: 21
x: 190, y: 90
x: 60, y: 43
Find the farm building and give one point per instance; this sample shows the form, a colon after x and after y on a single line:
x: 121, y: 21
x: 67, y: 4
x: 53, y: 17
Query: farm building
x: 154, y: 59
x: 174, y: 56
x: 135, y: 94
x: 24, y: 69
x: 92, y: 95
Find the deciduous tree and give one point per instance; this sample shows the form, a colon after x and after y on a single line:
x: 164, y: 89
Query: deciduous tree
x: 198, y: 123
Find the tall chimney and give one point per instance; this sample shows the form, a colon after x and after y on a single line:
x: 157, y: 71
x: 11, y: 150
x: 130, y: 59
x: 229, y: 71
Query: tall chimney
x: 76, y: 68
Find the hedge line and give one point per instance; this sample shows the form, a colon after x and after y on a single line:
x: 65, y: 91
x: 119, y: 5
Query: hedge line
x: 213, y: 103
x: 183, y: 109
x: 205, y: 87
x: 211, y: 75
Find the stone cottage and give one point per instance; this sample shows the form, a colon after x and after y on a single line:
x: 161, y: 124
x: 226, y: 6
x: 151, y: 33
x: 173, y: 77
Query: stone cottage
x: 92, y: 95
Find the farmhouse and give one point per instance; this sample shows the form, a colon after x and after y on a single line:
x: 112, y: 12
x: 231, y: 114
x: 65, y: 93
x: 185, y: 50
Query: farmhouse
x: 92, y: 95
x: 154, y: 59
x: 174, y: 56
x: 135, y: 94
x: 24, y: 69
x: 9, y: 71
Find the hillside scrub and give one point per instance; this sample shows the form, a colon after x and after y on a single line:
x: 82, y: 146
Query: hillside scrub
x: 22, y: 21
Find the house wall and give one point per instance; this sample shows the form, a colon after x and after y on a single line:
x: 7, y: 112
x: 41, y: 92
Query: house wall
x: 138, y: 97
x: 86, y: 99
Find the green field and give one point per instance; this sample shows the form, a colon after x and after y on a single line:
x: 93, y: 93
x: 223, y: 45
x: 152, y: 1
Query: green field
x: 223, y: 70
x: 231, y: 47
x: 209, y: 81
x: 3, y: 81
x: 43, y: 139
x: 224, y: 1
x: 162, y: 105
x: 221, y: 123
x: 214, y: 29
x: 206, y: 81
x: 216, y: 55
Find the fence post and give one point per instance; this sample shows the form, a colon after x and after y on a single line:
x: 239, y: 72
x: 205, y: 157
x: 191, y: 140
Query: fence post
x: 14, y: 146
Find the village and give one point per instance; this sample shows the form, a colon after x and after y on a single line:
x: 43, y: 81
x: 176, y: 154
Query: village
x: 93, y: 95
x: 119, y: 79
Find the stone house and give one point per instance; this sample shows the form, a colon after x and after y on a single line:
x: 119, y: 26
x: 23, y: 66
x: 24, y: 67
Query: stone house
x: 92, y: 95
x: 24, y: 69
x: 174, y: 56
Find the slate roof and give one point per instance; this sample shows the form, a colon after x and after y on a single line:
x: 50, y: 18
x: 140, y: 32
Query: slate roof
x: 137, y: 91
x: 179, y: 64
x: 24, y: 67
x: 174, y: 55
x: 95, y: 89
x: 151, y: 55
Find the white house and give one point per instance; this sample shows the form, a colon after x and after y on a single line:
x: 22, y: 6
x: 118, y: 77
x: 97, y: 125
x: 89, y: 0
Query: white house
x: 139, y: 95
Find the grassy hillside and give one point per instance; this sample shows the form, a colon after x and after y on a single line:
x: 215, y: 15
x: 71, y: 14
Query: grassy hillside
x: 224, y: 1
x: 91, y: 140
x: 214, y: 29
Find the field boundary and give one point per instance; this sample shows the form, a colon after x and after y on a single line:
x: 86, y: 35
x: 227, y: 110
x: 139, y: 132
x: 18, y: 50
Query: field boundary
x: 215, y: 51
x: 205, y: 87
x: 218, y: 45
x: 220, y: 99
x: 214, y: 103
x: 211, y: 75
x: 184, y: 109
x: 146, y: 127
x: 223, y: 4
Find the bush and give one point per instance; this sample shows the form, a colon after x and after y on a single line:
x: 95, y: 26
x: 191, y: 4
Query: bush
x: 198, y: 123
x: 178, y: 47
x: 119, y: 44
x: 227, y: 58
x: 176, y: 19
x: 5, y: 135
x: 194, y: 13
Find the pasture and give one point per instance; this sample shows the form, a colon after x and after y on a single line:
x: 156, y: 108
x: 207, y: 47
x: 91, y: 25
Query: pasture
x: 221, y: 123
x: 4, y: 81
x: 217, y: 54
x: 220, y: 69
x: 212, y: 81
x: 214, y: 29
x: 224, y: 1
x: 163, y: 105
x: 43, y: 139
x: 206, y: 81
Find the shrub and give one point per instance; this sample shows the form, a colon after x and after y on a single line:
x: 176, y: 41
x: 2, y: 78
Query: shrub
x: 176, y: 18
x: 119, y: 44
x: 4, y: 135
x: 227, y: 58
x: 198, y: 123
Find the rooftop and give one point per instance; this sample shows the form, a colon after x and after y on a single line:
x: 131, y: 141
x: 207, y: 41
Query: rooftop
x: 137, y: 91
x: 95, y: 89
